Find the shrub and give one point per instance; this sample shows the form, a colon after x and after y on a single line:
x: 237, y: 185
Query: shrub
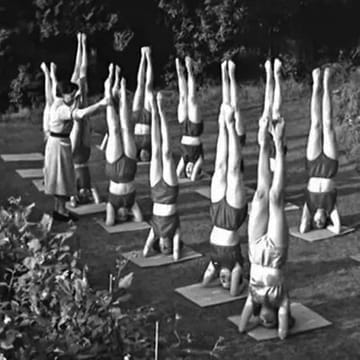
x: 48, y: 310
x: 19, y: 95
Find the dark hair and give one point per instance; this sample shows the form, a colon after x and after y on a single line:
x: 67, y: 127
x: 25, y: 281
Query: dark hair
x: 65, y: 87
x: 145, y: 155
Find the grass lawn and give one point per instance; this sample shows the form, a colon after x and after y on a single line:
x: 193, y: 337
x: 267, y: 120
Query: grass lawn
x: 323, y: 277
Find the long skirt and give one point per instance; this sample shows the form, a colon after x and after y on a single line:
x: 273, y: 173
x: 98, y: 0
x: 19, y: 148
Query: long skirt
x: 59, y: 172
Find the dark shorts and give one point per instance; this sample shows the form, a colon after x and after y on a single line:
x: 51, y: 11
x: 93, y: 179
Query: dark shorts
x: 122, y: 201
x: 83, y: 178
x: 122, y: 170
x: 227, y: 217
x: 225, y: 256
x: 165, y: 226
x: 322, y: 166
x: 81, y: 155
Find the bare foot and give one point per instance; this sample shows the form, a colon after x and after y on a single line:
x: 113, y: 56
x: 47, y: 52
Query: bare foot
x: 52, y: 68
x: 83, y: 38
x: 327, y: 75
x: 143, y: 51
x: 44, y: 68
x: 179, y: 68
x: 223, y: 68
x: 231, y: 67
x: 189, y: 64
x: 316, y: 74
x: 116, y: 86
x: 267, y: 66
x: 277, y: 67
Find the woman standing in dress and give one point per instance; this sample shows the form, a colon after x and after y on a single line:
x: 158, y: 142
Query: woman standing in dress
x: 59, y: 172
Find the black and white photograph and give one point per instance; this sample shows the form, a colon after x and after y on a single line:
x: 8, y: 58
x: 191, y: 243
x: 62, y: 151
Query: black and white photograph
x: 179, y: 179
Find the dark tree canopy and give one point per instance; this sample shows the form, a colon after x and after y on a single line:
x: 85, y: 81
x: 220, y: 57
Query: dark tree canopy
x: 303, y: 31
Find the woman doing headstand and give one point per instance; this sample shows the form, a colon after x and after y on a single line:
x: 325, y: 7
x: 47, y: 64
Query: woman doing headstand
x: 268, y: 300
x: 320, y: 210
x: 120, y: 153
x: 191, y: 123
x: 141, y: 110
x: 164, y: 235
x: 228, y: 209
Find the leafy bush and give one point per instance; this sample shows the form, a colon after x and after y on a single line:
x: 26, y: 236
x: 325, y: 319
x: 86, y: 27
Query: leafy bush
x: 347, y: 111
x: 19, y: 95
x: 48, y: 310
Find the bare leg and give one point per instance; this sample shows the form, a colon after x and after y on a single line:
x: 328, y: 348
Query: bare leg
x: 149, y: 80
x: 277, y: 90
x: 258, y: 219
x: 180, y: 167
x: 136, y: 212
x: 234, y: 100
x: 225, y: 83
x: 314, y: 146
x: 277, y: 226
x: 269, y: 90
x: 155, y: 163
x: 329, y: 145
x: 235, y: 190
x: 218, y: 181
x: 138, y: 102
x: 76, y: 73
x: 182, y: 107
x: 193, y: 108
x: 169, y: 171
x: 114, y: 148
x: 110, y: 215
x: 126, y: 130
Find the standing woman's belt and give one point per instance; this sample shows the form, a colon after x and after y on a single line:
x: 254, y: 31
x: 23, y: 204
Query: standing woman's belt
x: 59, y: 135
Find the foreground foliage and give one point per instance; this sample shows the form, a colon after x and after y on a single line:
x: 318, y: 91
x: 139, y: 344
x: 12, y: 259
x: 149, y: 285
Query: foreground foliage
x: 48, y: 310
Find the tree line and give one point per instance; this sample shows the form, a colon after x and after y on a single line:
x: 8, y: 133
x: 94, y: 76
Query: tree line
x: 303, y: 32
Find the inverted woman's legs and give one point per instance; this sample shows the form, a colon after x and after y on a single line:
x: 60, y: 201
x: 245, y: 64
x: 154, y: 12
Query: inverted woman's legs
x: 277, y: 226
x: 314, y: 144
x: 114, y: 147
x: 149, y: 80
x: 235, y: 189
x: 234, y: 100
x: 225, y: 83
x: 192, y: 103
x: 182, y: 106
x: 126, y: 129
x: 276, y: 110
x: 269, y: 90
x: 329, y: 136
x: 218, y: 181
x: 168, y: 166
x: 138, y: 101
x: 156, y: 153
x: 259, y: 214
